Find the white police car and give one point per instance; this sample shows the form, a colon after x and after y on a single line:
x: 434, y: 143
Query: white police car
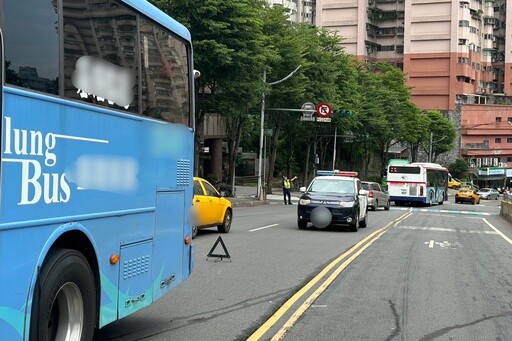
x: 333, y: 198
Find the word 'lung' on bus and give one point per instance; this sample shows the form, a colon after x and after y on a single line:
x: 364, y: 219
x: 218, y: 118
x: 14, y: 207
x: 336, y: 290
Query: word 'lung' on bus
x: 104, y: 80
x: 87, y: 172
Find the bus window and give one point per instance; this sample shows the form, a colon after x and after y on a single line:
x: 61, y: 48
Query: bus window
x: 100, y: 63
x: 31, y: 45
x: 165, y: 80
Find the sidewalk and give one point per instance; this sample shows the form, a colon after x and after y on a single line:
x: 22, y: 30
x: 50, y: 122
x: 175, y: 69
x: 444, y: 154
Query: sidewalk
x: 246, y: 196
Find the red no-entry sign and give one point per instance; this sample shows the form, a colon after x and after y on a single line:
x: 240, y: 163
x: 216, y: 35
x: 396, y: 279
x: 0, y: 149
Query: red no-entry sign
x: 323, y: 110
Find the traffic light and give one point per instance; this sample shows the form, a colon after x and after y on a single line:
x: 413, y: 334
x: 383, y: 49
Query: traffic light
x: 342, y: 113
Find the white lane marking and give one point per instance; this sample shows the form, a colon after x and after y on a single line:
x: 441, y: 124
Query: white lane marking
x: 263, y: 227
x: 443, y: 229
x: 431, y: 244
x: 498, y: 231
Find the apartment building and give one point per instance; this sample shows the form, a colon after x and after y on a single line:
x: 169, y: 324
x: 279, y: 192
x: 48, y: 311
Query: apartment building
x: 457, y: 56
x: 298, y: 10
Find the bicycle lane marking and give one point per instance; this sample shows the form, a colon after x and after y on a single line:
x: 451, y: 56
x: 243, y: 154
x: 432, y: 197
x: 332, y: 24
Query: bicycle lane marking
x: 361, y: 245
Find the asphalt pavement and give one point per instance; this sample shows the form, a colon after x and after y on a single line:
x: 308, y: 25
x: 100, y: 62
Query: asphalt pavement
x: 246, y: 196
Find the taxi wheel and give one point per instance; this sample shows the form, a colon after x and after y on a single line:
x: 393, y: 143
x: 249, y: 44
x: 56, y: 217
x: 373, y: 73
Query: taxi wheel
x: 194, y: 231
x: 472, y: 201
x: 226, y: 226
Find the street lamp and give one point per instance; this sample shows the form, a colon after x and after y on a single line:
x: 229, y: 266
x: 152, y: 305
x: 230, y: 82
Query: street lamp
x: 262, y: 123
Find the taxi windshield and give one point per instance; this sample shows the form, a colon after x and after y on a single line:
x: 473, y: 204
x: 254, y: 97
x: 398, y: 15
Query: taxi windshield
x: 339, y: 186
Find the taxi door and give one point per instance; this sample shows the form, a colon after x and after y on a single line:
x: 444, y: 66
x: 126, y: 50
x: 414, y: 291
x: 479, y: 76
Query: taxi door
x: 363, y: 200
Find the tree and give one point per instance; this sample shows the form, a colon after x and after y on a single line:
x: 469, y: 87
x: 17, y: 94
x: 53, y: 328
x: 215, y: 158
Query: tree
x: 229, y: 52
x: 385, y: 111
x: 459, y: 168
x: 441, y: 137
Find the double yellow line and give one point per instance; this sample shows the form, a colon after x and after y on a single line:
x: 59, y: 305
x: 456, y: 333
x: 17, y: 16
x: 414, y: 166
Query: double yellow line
x: 356, y: 250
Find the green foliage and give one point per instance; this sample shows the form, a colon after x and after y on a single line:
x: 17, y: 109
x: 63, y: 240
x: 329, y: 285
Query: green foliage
x: 236, y: 41
x: 442, y: 134
x: 459, y: 168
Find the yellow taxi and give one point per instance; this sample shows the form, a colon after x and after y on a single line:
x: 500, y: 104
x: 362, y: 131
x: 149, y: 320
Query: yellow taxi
x: 467, y: 195
x: 210, y: 208
x: 454, y: 183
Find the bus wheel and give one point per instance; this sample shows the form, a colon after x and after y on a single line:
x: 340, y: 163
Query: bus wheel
x: 64, y: 302
x: 431, y: 199
x: 194, y: 231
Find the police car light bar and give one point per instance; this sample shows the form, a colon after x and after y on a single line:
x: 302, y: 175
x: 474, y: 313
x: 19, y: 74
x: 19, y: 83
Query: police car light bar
x: 336, y: 172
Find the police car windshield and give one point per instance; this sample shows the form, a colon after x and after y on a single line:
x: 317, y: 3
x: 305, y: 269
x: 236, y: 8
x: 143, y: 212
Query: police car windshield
x: 339, y: 186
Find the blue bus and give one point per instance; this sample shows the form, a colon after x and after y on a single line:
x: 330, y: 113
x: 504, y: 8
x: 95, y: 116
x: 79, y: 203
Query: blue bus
x: 96, y: 164
x: 417, y: 183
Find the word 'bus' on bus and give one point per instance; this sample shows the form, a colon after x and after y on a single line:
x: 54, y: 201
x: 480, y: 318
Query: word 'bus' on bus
x: 96, y: 164
x: 418, y: 182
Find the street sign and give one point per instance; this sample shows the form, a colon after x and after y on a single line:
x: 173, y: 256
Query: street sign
x: 323, y: 110
x: 308, y: 107
x: 267, y: 132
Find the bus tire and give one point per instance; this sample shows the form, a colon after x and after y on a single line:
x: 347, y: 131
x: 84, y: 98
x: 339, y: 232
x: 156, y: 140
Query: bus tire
x: 64, y: 302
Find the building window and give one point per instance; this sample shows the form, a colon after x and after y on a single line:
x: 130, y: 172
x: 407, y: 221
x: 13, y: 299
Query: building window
x: 509, y: 120
x: 509, y: 158
x: 463, y: 41
x: 498, y: 119
x: 497, y: 140
x: 509, y: 139
x: 463, y: 23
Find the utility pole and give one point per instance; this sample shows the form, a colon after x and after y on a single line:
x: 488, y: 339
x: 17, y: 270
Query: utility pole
x: 431, y: 142
x: 259, y: 190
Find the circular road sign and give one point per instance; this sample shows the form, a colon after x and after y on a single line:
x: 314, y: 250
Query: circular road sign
x: 309, y: 108
x: 323, y: 110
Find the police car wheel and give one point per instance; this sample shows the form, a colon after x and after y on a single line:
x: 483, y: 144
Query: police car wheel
x: 364, y: 223
x: 302, y: 224
x: 355, y: 226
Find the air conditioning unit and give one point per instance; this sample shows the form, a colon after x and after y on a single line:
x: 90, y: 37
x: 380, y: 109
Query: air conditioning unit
x: 502, y: 164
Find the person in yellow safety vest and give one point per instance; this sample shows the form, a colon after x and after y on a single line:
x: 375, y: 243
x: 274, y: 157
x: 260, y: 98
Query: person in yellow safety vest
x: 287, y: 186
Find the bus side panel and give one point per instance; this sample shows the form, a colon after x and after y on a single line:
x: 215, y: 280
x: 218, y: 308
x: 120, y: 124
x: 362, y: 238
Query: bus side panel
x: 18, y: 257
x: 169, y: 242
x: 62, y: 162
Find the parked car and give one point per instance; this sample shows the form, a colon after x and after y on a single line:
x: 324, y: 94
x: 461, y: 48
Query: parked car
x: 454, y: 183
x: 333, y: 200
x: 377, y: 196
x: 467, y: 195
x: 488, y: 193
x: 210, y: 208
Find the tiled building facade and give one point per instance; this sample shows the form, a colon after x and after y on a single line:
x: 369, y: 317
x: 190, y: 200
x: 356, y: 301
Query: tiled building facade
x: 457, y: 56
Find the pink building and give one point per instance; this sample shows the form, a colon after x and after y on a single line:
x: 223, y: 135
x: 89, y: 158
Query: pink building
x: 457, y: 56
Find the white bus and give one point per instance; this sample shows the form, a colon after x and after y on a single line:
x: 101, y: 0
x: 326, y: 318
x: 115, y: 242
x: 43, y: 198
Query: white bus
x: 417, y: 183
